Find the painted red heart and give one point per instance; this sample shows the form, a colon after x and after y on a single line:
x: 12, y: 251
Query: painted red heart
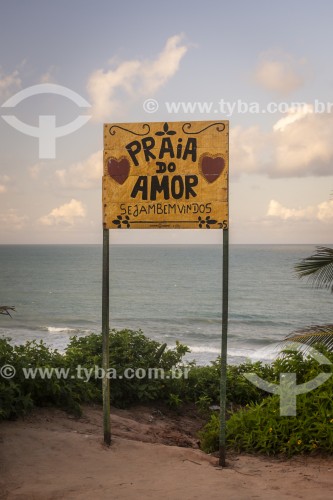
x: 119, y: 169
x: 212, y: 168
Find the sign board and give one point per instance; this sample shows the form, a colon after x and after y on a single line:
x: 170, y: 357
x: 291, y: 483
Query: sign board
x: 171, y: 175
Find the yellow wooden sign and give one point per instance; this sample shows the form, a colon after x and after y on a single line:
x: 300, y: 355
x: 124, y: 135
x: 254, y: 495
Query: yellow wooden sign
x: 166, y: 175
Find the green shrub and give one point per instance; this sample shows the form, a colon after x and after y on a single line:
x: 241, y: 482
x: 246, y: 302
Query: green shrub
x: 239, y: 390
x: 204, y: 382
x: 209, y: 436
x: 174, y: 401
x: 257, y: 427
x: 21, y: 393
x: 128, y: 349
x: 260, y: 428
x: 133, y: 350
x: 12, y: 401
x: 203, y: 404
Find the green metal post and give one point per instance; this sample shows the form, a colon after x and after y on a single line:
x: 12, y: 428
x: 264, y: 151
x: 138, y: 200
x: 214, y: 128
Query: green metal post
x: 223, y: 381
x: 105, y: 333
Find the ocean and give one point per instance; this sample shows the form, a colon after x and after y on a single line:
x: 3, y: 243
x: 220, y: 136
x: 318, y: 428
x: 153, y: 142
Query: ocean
x: 170, y: 292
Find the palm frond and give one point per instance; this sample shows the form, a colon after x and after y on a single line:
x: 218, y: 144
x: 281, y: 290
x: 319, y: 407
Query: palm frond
x: 312, y: 335
x: 318, y: 268
x: 6, y: 309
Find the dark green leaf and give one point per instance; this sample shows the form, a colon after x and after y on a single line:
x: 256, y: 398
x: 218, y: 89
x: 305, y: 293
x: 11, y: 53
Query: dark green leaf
x: 318, y: 268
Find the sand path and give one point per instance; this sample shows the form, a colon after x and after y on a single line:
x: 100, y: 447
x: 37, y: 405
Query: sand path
x: 52, y: 456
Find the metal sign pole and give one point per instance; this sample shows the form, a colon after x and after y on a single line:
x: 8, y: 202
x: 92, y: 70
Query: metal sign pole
x: 223, y: 381
x: 105, y: 333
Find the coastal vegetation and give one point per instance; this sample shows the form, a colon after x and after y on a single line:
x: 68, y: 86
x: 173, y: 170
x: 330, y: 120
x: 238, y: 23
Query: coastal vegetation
x: 254, y: 424
x: 318, y: 270
x: 259, y: 427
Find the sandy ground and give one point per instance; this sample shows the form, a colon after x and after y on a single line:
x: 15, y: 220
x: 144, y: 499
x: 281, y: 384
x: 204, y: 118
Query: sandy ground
x: 50, y: 455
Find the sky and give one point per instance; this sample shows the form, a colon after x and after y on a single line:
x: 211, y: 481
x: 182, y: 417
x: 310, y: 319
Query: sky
x: 264, y: 66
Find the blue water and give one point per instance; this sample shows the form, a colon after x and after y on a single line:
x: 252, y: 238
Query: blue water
x: 169, y: 292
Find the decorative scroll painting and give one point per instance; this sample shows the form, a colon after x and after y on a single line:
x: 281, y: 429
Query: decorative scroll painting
x: 171, y: 175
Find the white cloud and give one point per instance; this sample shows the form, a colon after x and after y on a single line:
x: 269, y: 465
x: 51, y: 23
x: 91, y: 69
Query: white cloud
x: 325, y: 211
x: 34, y: 170
x: 134, y: 78
x: 280, y: 72
x: 293, y: 115
x: 299, y: 144
x: 321, y: 212
x: 4, y: 179
x: 65, y: 214
x: 9, y: 83
x: 11, y: 218
x: 48, y: 77
x: 156, y: 73
x: 83, y: 175
x: 249, y: 150
x: 304, y: 146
